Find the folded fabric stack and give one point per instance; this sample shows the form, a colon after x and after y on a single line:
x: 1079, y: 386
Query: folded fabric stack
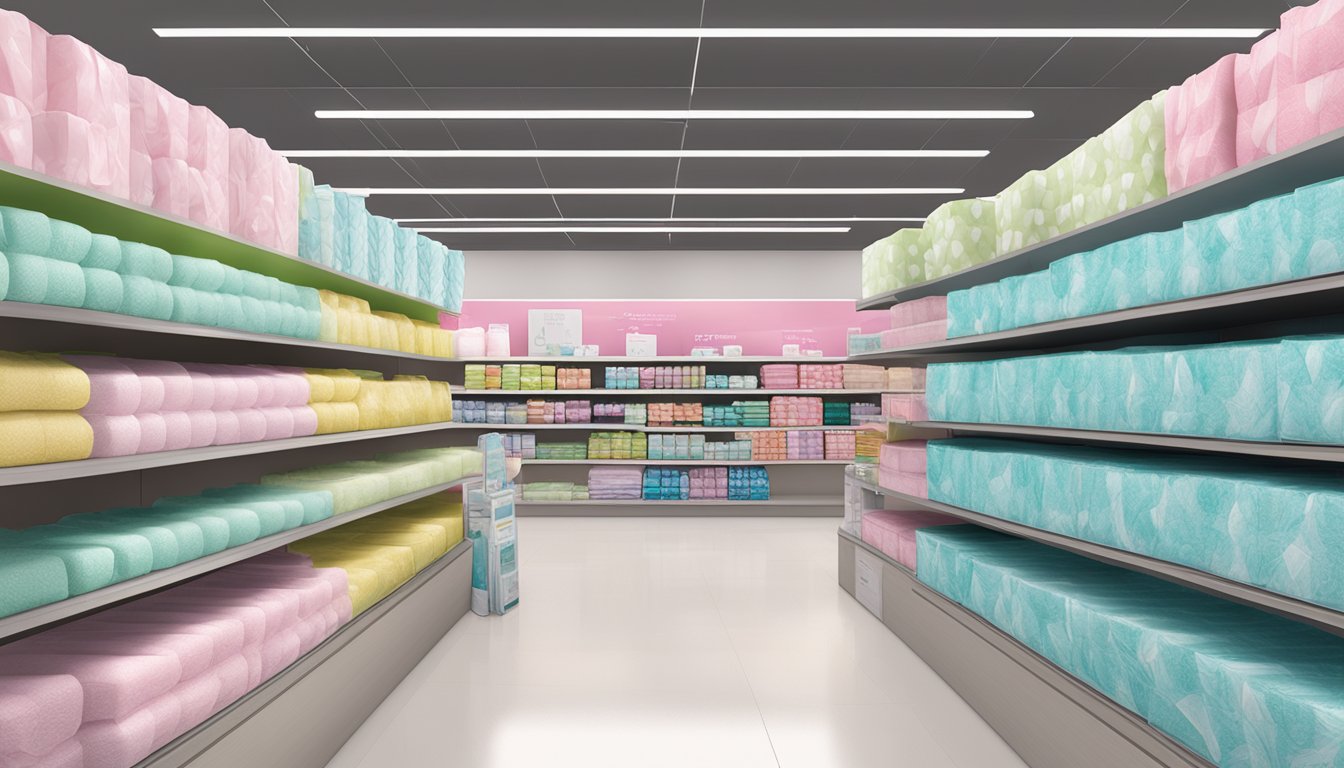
x: 548, y: 377
x: 497, y: 413
x: 1202, y: 125
x: 868, y: 444
x: 521, y: 445
x: 839, y: 446
x: 666, y: 484
x: 615, y: 482
x: 892, y: 532
x: 511, y: 377
x: 748, y: 484
x: 529, y: 377
x: 40, y: 400
x: 108, y: 690
x: 856, y: 376
x: 554, y: 492
x: 906, y: 379
x: 895, y: 261
x: 1234, y: 684
x: 903, y: 466
x: 962, y: 233
x: 805, y: 445
x: 795, y: 411
x: 728, y: 450
x: 708, y: 483
x: 356, y: 484
x: 381, y: 552
x: 835, y: 413
x: 470, y: 411
x: 562, y: 451
x: 771, y: 445
x: 619, y: 445
x: 636, y: 414
x: 536, y: 412
x: 724, y: 381
x: 494, y: 377
x: 815, y: 376
x: 473, y: 376
x: 917, y: 322
x: 578, y: 412
x: 743, y: 413
x: 404, y: 401
x: 621, y: 377
x: 865, y: 413
x: 332, y: 395
x: 573, y: 378
x: 779, y: 376
x: 1184, y: 509
x: 516, y: 413
x: 609, y: 413
x: 863, y: 343
x: 904, y: 407
x: 672, y: 377
x: 675, y: 414
x: 348, y: 320
x: 676, y: 447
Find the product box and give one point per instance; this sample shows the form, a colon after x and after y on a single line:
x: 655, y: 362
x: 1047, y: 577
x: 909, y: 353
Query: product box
x: 551, y: 329
x: 641, y: 345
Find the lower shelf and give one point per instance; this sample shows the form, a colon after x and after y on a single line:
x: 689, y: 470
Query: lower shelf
x: 303, y: 716
x: 1051, y: 718
x: 783, y: 506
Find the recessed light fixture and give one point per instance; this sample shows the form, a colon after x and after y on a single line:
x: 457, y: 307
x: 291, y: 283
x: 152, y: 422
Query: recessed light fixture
x: 674, y: 114
x: 811, y: 191
x: 631, y: 230
x: 631, y: 153
x: 696, y: 33
x: 651, y: 219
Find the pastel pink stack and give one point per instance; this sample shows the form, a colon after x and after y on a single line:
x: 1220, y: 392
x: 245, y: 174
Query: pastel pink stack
x: 145, y: 406
x: 905, y: 407
x: 806, y: 445
x: 108, y: 690
x: 903, y: 467
x: 892, y: 532
x: 916, y: 322
x: 795, y: 411
x: 814, y: 376
x: 858, y: 376
x: 22, y: 86
x: 83, y: 132
x: 709, y: 482
x: 839, y: 445
x: 1200, y: 121
x: 1257, y: 100
x: 779, y: 376
x: 1308, y: 73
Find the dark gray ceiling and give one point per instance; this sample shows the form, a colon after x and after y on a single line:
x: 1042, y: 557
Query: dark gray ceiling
x: 271, y: 88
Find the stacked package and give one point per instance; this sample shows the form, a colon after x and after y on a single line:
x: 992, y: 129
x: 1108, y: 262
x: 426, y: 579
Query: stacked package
x: 548, y: 377
x: 510, y: 377
x: 672, y: 377
x: 779, y: 376
x: 470, y: 412
x: 356, y: 484
x: 906, y: 379
x: 471, y: 342
x: 666, y: 484
x: 856, y: 376
x: 742, y: 483
x: 806, y: 445
x: 473, y: 377
x: 769, y: 445
x: 795, y: 411
x: 348, y: 320
x: 814, y: 376
x: 619, y: 445
x: 1236, y: 685
x: 1308, y: 74
x: 517, y: 413
x: 621, y: 377
x: 677, y: 447
x: 609, y: 413
x: 573, y: 378
x: 577, y: 412
x: 905, y: 407
x: 962, y: 233
x: 895, y: 262
x: 520, y: 445
x: 728, y: 450
x: 636, y: 414
x: 903, y: 467
x: 748, y: 484
x: 863, y: 343
x: 836, y: 413
x: 615, y: 482
x: 708, y: 483
x: 865, y: 413
x: 743, y: 413
x: 917, y: 322
x: 40, y: 400
x: 1201, y: 125
x: 554, y: 492
x: 562, y: 451
x: 839, y: 446
x: 868, y: 445
x: 675, y: 414
x: 892, y: 532
x: 725, y: 381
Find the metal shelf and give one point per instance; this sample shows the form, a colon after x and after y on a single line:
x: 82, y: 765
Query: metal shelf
x: 532, y: 393
x: 1309, y: 613
x: 1309, y: 297
x: 1298, y: 451
x: 687, y: 463
x: 68, y: 470
x: 48, y: 614
x: 594, y: 427
x: 1317, y: 160
x: 104, y: 214
x: 783, y: 501
x: 650, y: 360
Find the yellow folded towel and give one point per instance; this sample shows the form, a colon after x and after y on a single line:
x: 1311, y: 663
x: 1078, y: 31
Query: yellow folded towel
x: 40, y: 382
x: 43, y: 437
x: 336, y: 417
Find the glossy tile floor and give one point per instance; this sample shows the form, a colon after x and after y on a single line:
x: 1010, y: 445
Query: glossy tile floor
x: 676, y: 642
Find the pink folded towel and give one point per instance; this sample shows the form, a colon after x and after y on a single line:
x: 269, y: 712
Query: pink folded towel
x: 204, y: 428
x: 68, y: 754
x: 251, y: 425
x: 153, y: 432
x: 114, y: 686
x: 16, y: 131
x: 227, y: 429
x: 39, y: 712
x: 114, y: 435
x: 114, y: 389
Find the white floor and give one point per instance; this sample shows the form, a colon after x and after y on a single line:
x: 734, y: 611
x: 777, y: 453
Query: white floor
x: 676, y: 642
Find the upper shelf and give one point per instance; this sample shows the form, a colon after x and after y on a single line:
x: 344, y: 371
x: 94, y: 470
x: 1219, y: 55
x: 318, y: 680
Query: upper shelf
x: 125, y: 220
x: 667, y: 392
x: 649, y: 360
x: 1305, y: 164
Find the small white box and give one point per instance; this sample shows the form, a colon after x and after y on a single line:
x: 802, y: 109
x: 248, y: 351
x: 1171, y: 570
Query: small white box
x: 732, y: 350
x: 641, y: 345
x: 792, y: 350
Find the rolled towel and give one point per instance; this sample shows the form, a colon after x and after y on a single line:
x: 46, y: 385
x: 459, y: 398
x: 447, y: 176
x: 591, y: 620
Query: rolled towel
x: 38, y: 437
x: 103, y: 290
x: 143, y: 297
x: 114, y: 389
x: 227, y: 429
x: 305, y: 420
x: 146, y: 261
x: 210, y: 275
x: 25, y: 231
x: 251, y: 425
x: 69, y: 242
x: 279, y: 423
x: 204, y: 425
x: 29, y: 578
x: 173, y: 378
x: 104, y: 253
x: 40, y: 280
x: 114, y: 435
x: 39, y: 712
x: 153, y: 433
x: 186, y: 271
x: 177, y: 430
x: 38, y: 382
x: 202, y: 390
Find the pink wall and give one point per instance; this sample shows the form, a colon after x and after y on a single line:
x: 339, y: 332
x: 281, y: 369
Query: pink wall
x: 761, y: 326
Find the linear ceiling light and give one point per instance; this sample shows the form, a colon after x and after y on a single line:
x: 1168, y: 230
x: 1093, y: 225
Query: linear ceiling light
x: 369, y: 191
x: 673, y: 114
x: 631, y: 153
x: 651, y: 219
x: 627, y: 230
x: 695, y: 33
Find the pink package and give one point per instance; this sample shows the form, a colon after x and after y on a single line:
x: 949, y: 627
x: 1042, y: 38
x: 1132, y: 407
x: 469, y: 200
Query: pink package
x: 227, y: 429
x: 196, y: 699
x: 16, y: 130
x: 114, y: 435
x: 114, y: 686
x: 71, y: 148
x: 234, y: 677
x: 251, y: 425
x: 893, y: 531
x: 119, y: 743
x: 1313, y: 41
x: 279, y: 652
x: 82, y: 82
x: 191, y: 652
x: 203, y: 389
x: 252, y: 186
x: 225, y: 637
x: 1201, y: 126
x: 16, y: 59
x: 279, y: 423
x: 905, y: 407
x: 38, y: 712
x: 114, y: 389
x: 209, y: 205
x: 68, y: 754
x: 919, y: 311
x: 172, y: 378
x: 278, y: 614
x: 159, y: 120
x: 153, y: 433
x: 286, y: 205
x: 141, y: 191
x: 1310, y: 109
x: 1257, y: 101
x: 923, y: 333
x: 172, y: 186
x: 207, y: 142
x: 305, y: 420
x: 177, y: 605
x: 204, y: 428
x: 177, y: 430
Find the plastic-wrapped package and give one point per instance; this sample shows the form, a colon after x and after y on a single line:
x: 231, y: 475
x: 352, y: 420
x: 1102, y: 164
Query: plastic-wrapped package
x: 173, y: 191
x: 71, y: 148
x: 18, y: 75
x: 16, y: 132
x: 252, y: 186
x: 159, y: 120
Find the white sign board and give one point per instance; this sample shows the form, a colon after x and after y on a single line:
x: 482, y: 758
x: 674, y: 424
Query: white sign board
x: 550, y: 328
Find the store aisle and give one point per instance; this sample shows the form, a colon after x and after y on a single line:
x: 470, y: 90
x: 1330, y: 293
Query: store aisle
x: 676, y: 642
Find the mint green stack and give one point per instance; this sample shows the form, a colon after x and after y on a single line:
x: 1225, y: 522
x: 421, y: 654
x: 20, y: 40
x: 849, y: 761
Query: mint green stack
x: 961, y: 234
x: 1238, y: 686
x: 1133, y: 154
x: 1020, y: 217
x: 895, y: 261
x: 357, y: 484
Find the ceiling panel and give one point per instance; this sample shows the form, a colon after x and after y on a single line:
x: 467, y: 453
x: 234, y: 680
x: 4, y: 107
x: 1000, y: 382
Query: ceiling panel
x: 1081, y: 63
x: 623, y: 207
x: 533, y: 63
x: 605, y: 134
x: 937, y: 13
x: 590, y: 172
x: 768, y: 134
x: 842, y: 63
x: 1157, y: 64
x: 479, y: 13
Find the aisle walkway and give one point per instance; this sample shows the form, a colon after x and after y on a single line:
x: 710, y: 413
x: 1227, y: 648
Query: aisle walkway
x: 676, y: 642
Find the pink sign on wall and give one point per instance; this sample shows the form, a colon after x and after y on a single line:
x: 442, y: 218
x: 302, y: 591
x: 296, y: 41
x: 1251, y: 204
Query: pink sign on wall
x: 759, y: 326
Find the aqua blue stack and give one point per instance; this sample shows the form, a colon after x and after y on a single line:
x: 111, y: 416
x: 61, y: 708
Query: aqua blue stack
x: 748, y: 484
x: 1311, y: 390
x: 666, y: 484
x: 382, y: 250
x: 1237, y: 686
x: 1278, y: 529
x: 1289, y: 237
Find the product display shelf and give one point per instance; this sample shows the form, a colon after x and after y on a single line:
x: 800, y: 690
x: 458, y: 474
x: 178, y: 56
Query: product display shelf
x: 125, y: 220
x: 49, y: 614
x: 333, y: 688
x: 570, y: 394
x: 1315, y: 615
x: 686, y: 463
x: 68, y: 470
x: 24, y: 325
x: 1049, y: 717
x: 778, y: 506
x: 1309, y: 297
x: 597, y: 427
x: 622, y: 360
x: 1316, y: 160
x: 1295, y: 451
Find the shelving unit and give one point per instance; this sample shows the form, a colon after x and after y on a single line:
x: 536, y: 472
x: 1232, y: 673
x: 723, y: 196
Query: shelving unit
x: 596, y: 427
x: 679, y: 463
x: 791, y: 505
x: 617, y: 393
x: 671, y: 360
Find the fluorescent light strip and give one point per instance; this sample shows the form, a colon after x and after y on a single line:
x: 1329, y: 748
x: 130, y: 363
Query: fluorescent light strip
x: 674, y: 114
x: 569, y: 191
x: 628, y: 230
x: 651, y: 219
x: 697, y: 33
x: 631, y: 153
